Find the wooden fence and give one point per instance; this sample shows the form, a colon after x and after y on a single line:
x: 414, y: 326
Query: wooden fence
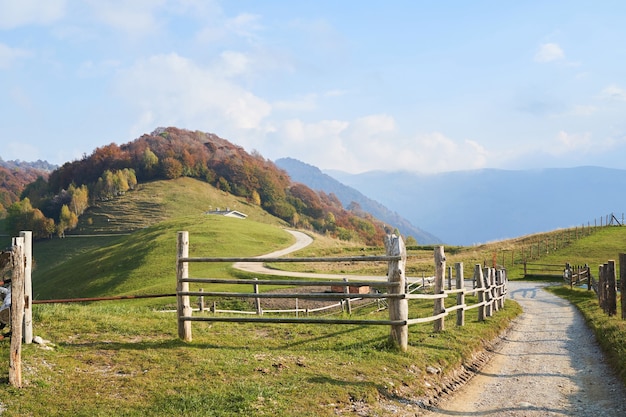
x: 542, y: 270
x: 491, y: 289
x: 606, y: 286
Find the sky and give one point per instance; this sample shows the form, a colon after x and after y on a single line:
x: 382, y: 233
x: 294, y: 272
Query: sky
x: 424, y: 86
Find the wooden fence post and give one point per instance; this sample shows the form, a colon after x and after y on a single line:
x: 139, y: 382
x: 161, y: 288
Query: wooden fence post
x: 28, y: 286
x: 440, y: 272
x: 488, y: 292
x: 17, y: 312
x: 588, y: 272
x: 398, y: 308
x: 601, y: 287
x: 460, y: 297
x: 480, y: 283
x: 622, y: 281
x: 201, y: 301
x: 611, y: 293
x: 257, y: 301
x: 182, y: 271
x: 347, y: 300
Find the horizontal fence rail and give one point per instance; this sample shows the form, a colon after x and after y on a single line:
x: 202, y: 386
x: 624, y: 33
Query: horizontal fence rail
x: 392, y: 291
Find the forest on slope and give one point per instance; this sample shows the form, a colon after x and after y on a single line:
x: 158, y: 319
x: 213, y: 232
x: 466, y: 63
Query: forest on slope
x: 53, y: 205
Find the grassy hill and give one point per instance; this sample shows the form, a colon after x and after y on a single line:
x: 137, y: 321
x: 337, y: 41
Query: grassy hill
x: 102, y: 256
x: 124, y: 358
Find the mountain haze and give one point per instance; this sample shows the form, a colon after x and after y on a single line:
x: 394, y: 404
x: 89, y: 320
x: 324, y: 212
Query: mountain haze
x: 317, y: 180
x: 468, y: 207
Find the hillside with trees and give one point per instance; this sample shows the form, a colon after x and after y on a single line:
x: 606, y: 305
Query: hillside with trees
x: 170, y: 153
x: 14, y: 176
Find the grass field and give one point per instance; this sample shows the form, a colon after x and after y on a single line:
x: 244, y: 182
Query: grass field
x: 124, y: 358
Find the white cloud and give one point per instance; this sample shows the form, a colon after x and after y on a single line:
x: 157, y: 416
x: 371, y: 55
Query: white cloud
x: 9, y: 56
x: 245, y: 25
x: 172, y: 90
x: 25, y: 12
x: 234, y: 63
x: 568, y: 142
x: 549, y: 52
x: 136, y: 18
x: 373, y: 143
x: 613, y: 92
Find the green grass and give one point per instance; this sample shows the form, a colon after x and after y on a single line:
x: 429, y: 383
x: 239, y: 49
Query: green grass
x: 610, y: 332
x: 144, y: 262
x: 126, y: 360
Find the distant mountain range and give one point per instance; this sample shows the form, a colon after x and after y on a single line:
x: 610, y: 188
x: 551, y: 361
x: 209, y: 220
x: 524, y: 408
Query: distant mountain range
x: 37, y: 165
x: 317, y: 180
x: 468, y: 207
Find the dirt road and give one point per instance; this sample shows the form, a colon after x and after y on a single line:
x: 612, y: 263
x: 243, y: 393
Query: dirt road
x: 548, y: 365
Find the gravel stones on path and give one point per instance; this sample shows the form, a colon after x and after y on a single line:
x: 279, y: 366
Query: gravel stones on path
x: 548, y: 364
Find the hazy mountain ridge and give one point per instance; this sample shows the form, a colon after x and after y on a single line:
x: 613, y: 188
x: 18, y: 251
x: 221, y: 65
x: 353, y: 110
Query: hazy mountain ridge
x: 38, y: 165
x: 314, y: 178
x: 467, y: 207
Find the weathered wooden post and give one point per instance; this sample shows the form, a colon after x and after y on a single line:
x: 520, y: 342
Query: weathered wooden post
x: 398, y: 307
x: 622, y: 281
x: 440, y: 271
x: 499, y: 290
x: 488, y: 292
x: 480, y: 284
x: 201, y: 301
x: 450, y: 277
x: 182, y: 272
x: 460, y: 297
x: 611, y: 294
x: 346, y: 290
x: 28, y: 286
x: 601, y: 287
x: 257, y: 301
x: 588, y: 272
x: 17, y: 312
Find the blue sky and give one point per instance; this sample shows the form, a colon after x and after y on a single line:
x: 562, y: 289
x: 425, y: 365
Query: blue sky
x: 352, y: 85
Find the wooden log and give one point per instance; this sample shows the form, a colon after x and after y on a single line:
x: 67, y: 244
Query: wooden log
x: 398, y: 308
x: 28, y: 286
x: 622, y: 279
x: 440, y: 271
x: 460, y: 297
x: 611, y: 293
x: 17, y: 312
x: 480, y: 284
x: 182, y: 271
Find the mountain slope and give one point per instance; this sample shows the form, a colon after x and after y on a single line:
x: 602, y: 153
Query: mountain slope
x: 317, y: 180
x: 468, y: 207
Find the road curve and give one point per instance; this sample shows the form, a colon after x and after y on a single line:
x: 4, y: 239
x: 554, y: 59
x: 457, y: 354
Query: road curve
x: 302, y: 241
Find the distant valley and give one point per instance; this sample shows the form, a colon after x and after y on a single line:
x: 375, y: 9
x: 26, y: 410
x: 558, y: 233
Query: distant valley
x: 469, y: 207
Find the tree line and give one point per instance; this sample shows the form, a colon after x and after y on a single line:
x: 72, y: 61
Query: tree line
x: 171, y: 153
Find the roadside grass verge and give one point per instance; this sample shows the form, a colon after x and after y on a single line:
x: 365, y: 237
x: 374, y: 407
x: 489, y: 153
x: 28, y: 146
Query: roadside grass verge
x: 124, y: 359
x: 610, y: 332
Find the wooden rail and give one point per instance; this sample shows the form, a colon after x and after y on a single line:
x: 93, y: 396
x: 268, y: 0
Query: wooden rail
x: 491, y: 289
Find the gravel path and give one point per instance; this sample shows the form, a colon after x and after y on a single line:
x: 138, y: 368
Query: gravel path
x: 547, y: 365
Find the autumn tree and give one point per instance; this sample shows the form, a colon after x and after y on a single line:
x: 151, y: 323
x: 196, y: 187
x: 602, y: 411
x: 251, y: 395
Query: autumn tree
x: 67, y: 221
x: 79, y: 199
x: 22, y: 216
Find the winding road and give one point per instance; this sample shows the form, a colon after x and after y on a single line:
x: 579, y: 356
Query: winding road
x: 302, y: 241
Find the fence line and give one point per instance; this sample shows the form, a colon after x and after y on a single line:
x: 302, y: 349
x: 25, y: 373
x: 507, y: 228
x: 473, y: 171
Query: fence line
x: 491, y: 289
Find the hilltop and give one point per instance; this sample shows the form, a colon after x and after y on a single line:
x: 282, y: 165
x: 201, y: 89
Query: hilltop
x: 55, y: 204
